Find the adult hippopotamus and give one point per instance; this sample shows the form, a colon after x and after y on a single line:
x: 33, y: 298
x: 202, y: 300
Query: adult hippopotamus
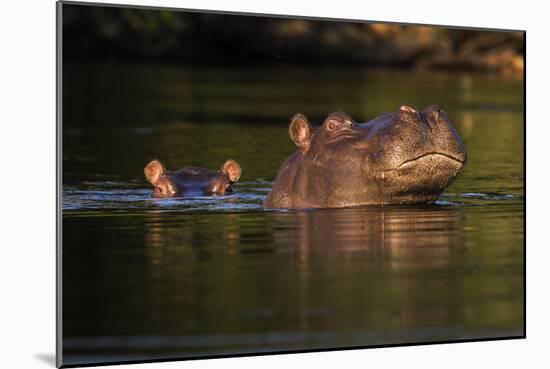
x: 191, y: 181
x: 403, y: 157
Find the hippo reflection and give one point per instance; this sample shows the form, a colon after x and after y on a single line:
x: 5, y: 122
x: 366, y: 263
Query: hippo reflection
x: 383, y: 266
x: 397, y: 158
x: 191, y: 181
x: 421, y: 234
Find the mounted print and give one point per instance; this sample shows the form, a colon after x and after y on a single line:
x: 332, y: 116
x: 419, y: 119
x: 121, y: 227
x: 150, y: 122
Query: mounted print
x: 242, y: 184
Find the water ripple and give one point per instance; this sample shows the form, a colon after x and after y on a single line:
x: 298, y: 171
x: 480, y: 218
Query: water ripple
x: 250, y: 195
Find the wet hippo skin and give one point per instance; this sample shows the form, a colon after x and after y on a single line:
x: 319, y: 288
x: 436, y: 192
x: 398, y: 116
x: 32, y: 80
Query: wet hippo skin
x: 191, y: 181
x: 403, y: 157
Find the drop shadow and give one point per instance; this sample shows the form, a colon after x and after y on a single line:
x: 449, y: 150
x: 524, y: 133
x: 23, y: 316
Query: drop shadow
x: 46, y: 358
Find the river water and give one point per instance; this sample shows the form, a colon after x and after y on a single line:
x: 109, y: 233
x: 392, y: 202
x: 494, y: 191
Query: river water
x: 146, y: 278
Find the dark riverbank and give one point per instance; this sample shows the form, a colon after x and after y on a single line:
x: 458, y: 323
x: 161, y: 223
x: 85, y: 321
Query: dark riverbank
x: 113, y: 34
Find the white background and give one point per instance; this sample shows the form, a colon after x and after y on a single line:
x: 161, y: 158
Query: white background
x: 27, y: 210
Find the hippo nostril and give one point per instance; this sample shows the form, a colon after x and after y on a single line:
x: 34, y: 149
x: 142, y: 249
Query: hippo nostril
x: 434, y: 112
x: 407, y: 109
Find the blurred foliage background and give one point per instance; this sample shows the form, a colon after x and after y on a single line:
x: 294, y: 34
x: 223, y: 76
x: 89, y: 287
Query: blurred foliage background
x: 94, y: 33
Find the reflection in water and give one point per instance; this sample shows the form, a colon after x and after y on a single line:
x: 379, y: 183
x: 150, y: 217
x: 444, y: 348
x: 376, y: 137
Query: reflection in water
x: 386, y: 233
x: 211, y: 283
x: 383, y: 241
x: 385, y: 229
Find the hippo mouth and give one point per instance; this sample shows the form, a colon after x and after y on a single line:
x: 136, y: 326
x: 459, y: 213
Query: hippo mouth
x: 421, y: 178
x: 433, y: 157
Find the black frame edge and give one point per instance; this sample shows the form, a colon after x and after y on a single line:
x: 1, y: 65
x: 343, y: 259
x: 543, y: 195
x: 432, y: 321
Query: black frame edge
x: 287, y: 352
x: 58, y: 185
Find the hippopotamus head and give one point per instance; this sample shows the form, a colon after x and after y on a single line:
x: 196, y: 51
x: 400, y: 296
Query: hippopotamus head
x: 407, y: 156
x: 191, y: 181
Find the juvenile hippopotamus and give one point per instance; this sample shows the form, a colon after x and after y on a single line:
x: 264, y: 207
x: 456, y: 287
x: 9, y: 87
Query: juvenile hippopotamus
x: 404, y: 157
x: 192, y: 181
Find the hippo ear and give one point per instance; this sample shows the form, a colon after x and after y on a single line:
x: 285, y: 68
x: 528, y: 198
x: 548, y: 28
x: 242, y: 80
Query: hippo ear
x: 232, y: 170
x: 154, y: 170
x: 300, y: 131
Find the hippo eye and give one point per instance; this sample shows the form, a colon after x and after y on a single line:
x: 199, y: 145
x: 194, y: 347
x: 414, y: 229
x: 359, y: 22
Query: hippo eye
x: 331, y: 125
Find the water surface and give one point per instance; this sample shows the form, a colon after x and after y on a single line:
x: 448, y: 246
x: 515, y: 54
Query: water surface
x: 147, y: 278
